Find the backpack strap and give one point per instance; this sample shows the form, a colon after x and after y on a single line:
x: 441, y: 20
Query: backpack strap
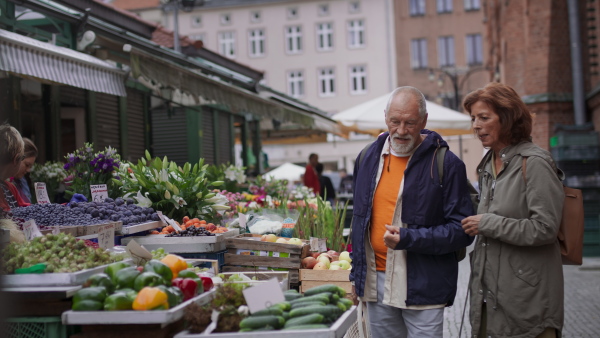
x: 363, y: 153
x: 524, y: 169
x: 441, y: 152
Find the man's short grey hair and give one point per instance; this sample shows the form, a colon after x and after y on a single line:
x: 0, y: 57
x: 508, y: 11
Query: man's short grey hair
x: 421, y: 102
x: 11, y: 144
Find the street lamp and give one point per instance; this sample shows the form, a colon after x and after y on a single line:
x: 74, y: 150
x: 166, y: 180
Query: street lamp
x: 453, y: 74
x: 175, y: 6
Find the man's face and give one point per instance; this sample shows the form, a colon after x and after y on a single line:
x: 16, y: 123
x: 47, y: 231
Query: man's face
x: 404, y: 123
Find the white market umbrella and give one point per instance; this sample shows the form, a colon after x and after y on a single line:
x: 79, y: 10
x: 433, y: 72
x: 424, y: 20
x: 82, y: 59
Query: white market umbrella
x: 287, y: 171
x: 369, y: 117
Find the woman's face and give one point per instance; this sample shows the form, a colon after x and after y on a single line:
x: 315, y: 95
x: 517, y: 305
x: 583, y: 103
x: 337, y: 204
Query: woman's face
x: 486, y: 124
x: 25, y: 167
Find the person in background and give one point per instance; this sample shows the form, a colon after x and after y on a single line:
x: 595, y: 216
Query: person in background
x: 311, y: 179
x: 21, y: 179
x: 516, y: 280
x: 406, y: 225
x: 345, y: 182
x: 11, y: 155
x: 327, y: 190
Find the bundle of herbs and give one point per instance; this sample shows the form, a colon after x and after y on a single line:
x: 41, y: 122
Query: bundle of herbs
x: 322, y: 222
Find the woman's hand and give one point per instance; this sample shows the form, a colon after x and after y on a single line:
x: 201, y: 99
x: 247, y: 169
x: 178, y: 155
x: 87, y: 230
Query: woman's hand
x: 471, y: 225
x: 392, y: 236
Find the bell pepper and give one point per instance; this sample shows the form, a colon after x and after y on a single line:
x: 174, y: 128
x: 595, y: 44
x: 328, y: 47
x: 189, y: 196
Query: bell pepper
x: 147, y: 279
x: 207, y: 283
x: 111, y: 270
x: 159, y: 268
x: 100, y: 279
x: 130, y: 293
x: 174, y: 295
x: 187, y: 274
x: 118, y: 302
x: 150, y: 298
x: 125, y: 278
x: 175, y: 263
x: 89, y: 299
x: 189, y: 287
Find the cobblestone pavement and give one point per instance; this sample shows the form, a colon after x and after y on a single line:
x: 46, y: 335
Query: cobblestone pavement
x: 582, y: 301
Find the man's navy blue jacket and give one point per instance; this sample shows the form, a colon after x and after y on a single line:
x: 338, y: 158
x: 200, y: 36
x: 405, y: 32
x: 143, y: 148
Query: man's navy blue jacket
x: 432, y: 213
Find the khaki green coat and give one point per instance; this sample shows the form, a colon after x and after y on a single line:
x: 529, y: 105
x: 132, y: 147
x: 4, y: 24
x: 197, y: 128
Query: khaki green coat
x: 516, y: 265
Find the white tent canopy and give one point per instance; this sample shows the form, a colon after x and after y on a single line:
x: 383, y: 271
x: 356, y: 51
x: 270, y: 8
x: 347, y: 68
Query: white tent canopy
x: 369, y: 117
x: 287, y: 171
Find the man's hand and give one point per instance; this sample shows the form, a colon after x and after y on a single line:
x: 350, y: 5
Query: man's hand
x: 471, y: 225
x: 354, y: 296
x: 392, y: 236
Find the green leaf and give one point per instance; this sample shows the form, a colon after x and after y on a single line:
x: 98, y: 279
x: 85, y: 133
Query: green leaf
x: 165, y: 163
x: 148, y: 157
x: 217, y: 183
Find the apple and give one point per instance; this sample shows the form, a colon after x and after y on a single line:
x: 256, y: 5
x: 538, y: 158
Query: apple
x: 320, y: 266
x: 296, y: 241
x: 324, y: 260
x: 315, y: 254
x: 335, y: 267
x: 345, y: 256
x: 309, y: 262
x: 344, y: 265
x: 281, y: 240
x: 271, y: 238
x: 326, y: 256
x: 334, y: 255
x: 263, y: 238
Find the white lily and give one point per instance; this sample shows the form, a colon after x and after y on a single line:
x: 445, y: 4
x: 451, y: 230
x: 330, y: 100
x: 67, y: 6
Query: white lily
x: 180, y: 201
x: 164, y: 176
x: 143, y: 201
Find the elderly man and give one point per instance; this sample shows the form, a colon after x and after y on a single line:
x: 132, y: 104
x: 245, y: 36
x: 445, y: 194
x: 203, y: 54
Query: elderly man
x: 11, y: 155
x: 407, y: 226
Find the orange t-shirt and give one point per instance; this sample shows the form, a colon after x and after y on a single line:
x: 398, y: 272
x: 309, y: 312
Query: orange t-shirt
x: 384, y: 204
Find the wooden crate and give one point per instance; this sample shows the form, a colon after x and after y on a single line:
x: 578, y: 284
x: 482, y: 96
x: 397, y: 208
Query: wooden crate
x: 86, y: 230
x: 246, y: 252
x: 310, y: 278
x: 69, y: 230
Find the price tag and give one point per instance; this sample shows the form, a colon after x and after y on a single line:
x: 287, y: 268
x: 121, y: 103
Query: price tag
x: 172, y: 223
x: 138, y: 253
x: 106, y: 236
x: 263, y: 295
x: 31, y: 230
x: 242, y: 220
x: 162, y: 217
x: 99, y: 192
x: 41, y: 193
x: 314, y: 244
x: 322, y: 245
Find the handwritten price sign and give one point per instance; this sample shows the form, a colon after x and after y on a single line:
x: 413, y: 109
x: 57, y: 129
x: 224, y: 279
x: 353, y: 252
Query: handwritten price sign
x: 99, y: 192
x: 31, y: 230
x: 106, y: 236
x: 41, y: 193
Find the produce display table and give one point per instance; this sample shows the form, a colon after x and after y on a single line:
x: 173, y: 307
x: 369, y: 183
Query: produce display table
x: 196, y: 244
x: 128, y: 230
x: 310, y: 278
x: 337, y: 330
x: 247, y: 253
x: 39, y: 301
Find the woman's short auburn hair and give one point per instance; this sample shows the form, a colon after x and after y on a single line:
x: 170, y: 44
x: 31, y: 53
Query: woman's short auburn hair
x: 516, y: 121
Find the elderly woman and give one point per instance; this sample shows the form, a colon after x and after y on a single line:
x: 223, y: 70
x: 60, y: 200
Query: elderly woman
x: 516, y: 280
x: 11, y: 155
x: 20, y: 180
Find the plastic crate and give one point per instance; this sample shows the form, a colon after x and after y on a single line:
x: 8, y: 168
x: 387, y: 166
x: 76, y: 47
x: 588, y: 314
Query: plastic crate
x: 36, y: 327
x: 575, y: 153
x: 219, y: 256
x: 574, y: 139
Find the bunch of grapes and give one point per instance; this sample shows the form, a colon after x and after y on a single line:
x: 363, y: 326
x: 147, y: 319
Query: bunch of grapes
x: 158, y: 254
x: 61, y: 253
x: 191, y: 232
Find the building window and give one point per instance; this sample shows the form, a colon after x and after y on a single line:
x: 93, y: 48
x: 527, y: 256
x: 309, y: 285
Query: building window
x: 326, y: 79
x: 292, y: 13
x: 295, y: 81
x: 323, y: 10
x: 227, y: 44
x: 356, y: 33
x: 324, y: 36
x: 358, y: 80
x: 256, y: 38
x: 472, y: 5
x: 417, y: 7
x: 444, y: 6
x: 255, y: 17
x: 196, y: 21
x: 198, y: 37
x: 293, y: 39
x: 354, y: 7
x: 418, y: 51
x: 225, y: 19
x: 474, y: 49
x: 446, y: 51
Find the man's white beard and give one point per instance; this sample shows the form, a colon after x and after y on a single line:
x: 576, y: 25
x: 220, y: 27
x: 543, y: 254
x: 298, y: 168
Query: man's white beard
x: 403, y: 149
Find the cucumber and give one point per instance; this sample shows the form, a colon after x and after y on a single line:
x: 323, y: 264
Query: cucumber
x: 286, y: 315
x: 321, y: 297
x: 275, y: 311
x: 266, y: 328
x: 346, y: 302
x: 284, y: 306
x: 330, y: 312
x: 303, y: 304
x: 291, y: 296
x: 291, y: 291
x: 325, y: 288
x: 342, y: 306
x: 307, y: 327
x: 257, y: 322
x: 313, y: 318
